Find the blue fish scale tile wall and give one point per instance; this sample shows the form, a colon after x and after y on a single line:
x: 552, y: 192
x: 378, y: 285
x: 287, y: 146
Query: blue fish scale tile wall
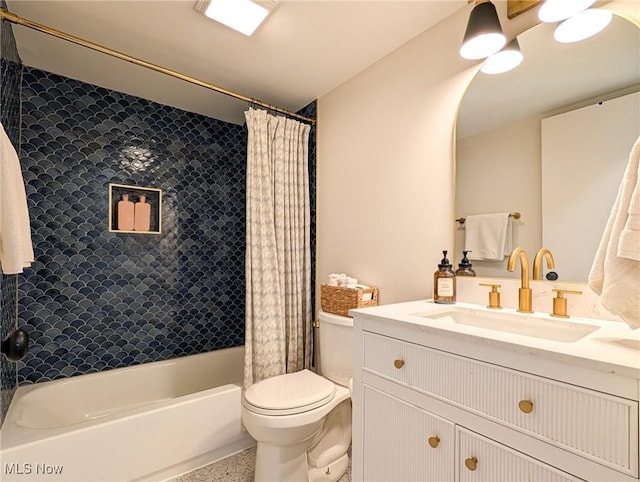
x: 310, y: 110
x: 95, y: 299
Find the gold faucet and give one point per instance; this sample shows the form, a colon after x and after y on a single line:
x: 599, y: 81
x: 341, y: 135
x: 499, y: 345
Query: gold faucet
x: 524, y: 293
x: 537, y: 262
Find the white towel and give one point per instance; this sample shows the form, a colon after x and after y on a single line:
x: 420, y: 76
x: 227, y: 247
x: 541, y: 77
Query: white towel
x: 16, y: 248
x: 488, y: 236
x: 615, y: 273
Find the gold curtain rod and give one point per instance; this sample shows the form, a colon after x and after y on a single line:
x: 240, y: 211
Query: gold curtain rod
x: 515, y: 215
x: 13, y: 18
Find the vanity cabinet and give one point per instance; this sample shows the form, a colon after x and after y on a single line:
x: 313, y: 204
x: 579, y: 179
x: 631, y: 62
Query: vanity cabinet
x: 420, y: 444
x: 404, y: 443
x: 487, y: 421
x: 480, y: 459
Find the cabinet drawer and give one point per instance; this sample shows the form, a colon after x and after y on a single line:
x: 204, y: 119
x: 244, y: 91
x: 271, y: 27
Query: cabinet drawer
x: 480, y: 459
x: 403, y: 442
x: 601, y: 427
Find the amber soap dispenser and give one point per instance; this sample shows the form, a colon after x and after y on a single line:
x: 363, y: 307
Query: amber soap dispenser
x: 464, y: 267
x: 444, y: 282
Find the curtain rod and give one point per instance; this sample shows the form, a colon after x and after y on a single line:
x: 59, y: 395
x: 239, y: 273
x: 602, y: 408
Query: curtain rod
x: 13, y: 18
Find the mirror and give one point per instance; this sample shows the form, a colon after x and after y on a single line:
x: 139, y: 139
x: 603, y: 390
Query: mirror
x: 502, y: 160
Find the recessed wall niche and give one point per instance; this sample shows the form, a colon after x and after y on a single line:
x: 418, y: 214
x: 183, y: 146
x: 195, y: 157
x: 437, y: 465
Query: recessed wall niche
x: 134, y: 209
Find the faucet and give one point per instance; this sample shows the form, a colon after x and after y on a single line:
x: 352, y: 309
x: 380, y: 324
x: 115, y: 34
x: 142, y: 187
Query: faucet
x: 537, y: 262
x: 524, y: 293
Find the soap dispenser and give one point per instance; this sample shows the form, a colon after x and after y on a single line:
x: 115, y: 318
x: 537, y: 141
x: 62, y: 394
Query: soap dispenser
x: 464, y: 267
x: 142, y: 214
x: 125, y: 214
x: 444, y: 282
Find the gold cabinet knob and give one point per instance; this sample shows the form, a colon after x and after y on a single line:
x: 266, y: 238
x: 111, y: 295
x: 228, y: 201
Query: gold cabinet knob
x: 398, y: 363
x: 526, y: 406
x: 434, y: 441
x: 471, y: 463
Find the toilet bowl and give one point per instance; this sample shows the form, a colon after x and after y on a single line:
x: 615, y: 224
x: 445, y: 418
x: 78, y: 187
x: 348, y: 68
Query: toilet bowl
x: 302, y: 421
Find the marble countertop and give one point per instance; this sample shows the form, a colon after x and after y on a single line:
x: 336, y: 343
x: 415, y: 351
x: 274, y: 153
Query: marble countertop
x: 612, y: 346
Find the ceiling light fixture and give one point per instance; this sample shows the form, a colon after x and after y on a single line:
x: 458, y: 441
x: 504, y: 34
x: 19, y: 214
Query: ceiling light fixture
x: 483, y: 35
x: 557, y: 10
x: 505, y: 60
x: 243, y: 16
x: 582, y: 26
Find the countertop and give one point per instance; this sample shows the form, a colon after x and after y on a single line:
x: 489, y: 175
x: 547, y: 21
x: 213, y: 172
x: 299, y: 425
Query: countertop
x: 613, y: 347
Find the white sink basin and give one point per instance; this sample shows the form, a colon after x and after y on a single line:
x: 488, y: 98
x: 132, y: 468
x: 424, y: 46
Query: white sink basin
x: 521, y: 324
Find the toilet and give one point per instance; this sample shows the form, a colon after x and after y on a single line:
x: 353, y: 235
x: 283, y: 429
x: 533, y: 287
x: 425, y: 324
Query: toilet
x: 302, y: 421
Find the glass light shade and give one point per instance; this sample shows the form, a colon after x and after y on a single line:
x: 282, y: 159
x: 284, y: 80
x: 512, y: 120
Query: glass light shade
x: 483, y: 35
x: 582, y: 26
x: 505, y: 60
x: 556, y: 10
x: 243, y: 16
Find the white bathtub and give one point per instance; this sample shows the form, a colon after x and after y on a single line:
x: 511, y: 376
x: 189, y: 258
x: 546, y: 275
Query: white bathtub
x: 149, y: 422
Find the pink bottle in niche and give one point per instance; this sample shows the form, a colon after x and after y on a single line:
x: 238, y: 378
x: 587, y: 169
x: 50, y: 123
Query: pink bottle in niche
x: 142, y: 215
x: 125, y: 214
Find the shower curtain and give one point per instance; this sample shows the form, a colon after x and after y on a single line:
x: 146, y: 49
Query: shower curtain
x: 278, y: 257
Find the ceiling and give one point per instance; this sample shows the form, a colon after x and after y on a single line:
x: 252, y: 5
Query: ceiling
x: 304, y: 50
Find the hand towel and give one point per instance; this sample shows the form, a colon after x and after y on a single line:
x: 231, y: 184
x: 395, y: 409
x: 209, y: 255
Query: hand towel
x: 488, y: 236
x: 16, y: 248
x: 629, y: 243
x: 615, y: 273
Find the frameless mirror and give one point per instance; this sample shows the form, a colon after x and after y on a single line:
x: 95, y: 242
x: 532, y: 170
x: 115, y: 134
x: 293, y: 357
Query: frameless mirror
x: 508, y: 123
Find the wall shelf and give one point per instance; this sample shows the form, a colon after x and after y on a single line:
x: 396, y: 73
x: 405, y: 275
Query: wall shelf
x: 134, y: 209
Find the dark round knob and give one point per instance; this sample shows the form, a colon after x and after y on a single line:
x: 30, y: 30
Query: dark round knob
x: 552, y: 276
x: 15, y: 345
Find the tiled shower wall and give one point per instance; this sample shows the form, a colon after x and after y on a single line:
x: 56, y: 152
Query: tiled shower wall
x: 10, y: 71
x: 95, y: 299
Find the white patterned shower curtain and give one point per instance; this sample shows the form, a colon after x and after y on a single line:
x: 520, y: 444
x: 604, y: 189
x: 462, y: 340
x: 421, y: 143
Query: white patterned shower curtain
x: 278, y: 257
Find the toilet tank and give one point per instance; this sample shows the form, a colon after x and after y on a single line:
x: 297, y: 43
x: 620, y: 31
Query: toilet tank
x: 335, y: 341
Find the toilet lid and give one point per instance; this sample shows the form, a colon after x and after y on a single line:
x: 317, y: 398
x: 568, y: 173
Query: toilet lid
x: 289, y: 394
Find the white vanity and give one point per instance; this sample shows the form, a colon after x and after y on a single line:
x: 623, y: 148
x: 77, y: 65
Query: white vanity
x: 464, y: 393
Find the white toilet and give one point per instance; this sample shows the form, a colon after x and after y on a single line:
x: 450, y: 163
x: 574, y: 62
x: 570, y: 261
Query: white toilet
x: 302, y: 421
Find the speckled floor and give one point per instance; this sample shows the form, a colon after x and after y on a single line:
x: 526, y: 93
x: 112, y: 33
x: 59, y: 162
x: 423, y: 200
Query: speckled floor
x: 237, y: 468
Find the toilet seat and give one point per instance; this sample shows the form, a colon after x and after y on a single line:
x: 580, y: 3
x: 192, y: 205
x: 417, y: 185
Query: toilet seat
x: 289, y: 394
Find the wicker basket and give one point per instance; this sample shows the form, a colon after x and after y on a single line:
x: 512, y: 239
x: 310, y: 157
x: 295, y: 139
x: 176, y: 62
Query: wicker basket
x: 339, y: 300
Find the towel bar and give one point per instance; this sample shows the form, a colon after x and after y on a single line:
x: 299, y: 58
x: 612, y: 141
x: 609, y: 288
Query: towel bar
x: 515, y: 215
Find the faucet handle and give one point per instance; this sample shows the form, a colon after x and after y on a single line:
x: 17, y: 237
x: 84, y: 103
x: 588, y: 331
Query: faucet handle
x: 494, y: 296
x: 560, y: 302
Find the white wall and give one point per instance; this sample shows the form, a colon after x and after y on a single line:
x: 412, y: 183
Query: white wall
x: 386, y: 162
x: 584, y: 155
x: 507, y: 169
x: 385, y: 197
x: 499, y: 171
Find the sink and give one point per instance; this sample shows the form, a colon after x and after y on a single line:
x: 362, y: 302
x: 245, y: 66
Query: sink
x: 519, y: 324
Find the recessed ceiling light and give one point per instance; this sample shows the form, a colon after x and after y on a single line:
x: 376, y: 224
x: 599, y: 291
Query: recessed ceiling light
x: 243, y: 16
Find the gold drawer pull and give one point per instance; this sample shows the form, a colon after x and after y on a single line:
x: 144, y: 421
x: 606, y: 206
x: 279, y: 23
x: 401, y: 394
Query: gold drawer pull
x: 398, y: 363
x: 434, y: 441
x: 471, y: 463
x: 526, y: 406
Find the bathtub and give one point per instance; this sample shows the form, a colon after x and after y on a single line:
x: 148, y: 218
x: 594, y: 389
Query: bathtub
x: 149, y: 422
